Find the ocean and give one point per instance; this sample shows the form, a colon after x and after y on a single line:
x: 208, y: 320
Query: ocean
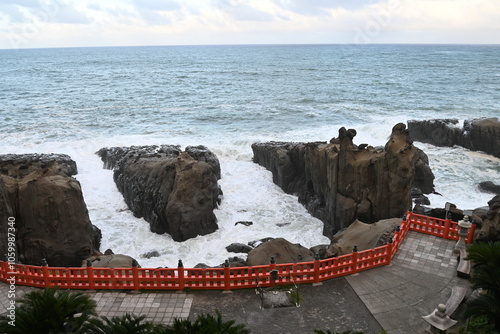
x: 77, y: 100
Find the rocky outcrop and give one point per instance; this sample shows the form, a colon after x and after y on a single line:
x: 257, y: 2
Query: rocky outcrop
x: 238, y: 248
x: 490, y: 227
x: 489, y: 187
x: 51, y: 218
x: 476, y: 134
x: 340, y: 182
x: 364, y: 236
x: 110, y: 261
x: 175, y: 191
x: 281, y: 250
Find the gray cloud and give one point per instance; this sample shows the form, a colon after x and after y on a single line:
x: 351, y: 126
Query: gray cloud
x: 320, y: 7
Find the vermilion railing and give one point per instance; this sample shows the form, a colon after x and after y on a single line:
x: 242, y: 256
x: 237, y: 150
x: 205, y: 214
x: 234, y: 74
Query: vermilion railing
x: 227, y: 278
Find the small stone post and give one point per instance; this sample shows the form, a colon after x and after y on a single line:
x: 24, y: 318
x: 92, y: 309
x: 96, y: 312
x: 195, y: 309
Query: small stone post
x: 463, y: 233
x: 439, y: 321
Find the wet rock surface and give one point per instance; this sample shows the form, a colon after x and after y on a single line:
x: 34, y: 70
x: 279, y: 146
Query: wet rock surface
x: 51, y: 217
x: 476, y: 134
x: 340, y: 182
x: 170, y: 188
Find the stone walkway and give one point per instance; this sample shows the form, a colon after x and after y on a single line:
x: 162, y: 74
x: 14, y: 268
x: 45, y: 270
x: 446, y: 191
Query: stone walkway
x: 420, y: 277
x: 158, y: 307
x: 397, y: 296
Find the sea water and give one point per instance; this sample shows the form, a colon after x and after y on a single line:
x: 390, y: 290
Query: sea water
x: 77, y: 100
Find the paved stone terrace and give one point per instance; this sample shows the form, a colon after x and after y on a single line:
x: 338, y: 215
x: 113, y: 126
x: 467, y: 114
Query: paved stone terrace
x: 158, y: 307
x: 420, y: 277
x: 396, y: 297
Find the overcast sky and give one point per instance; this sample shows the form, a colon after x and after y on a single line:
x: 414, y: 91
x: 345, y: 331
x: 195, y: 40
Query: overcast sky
x: 70, y: 23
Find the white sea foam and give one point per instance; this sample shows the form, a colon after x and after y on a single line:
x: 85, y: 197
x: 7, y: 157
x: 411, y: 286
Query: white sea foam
x: 249, y: 194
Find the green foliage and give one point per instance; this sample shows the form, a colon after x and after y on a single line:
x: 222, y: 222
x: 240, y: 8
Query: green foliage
x: 50, y: 311
x: 485, y: 276
x: 126, y: 324
x: 478, y: 325
x: 206, y: 324
x: 317, y: 331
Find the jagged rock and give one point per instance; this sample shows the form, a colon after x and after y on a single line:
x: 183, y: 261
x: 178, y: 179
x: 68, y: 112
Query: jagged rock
x: 477, y: 134
x: 96, y: 238
x: 339, y: 183
x: 256, y: 243
x: 282, y: 250
x: 490, y: 229
x: 169, y: 188
x: 419, y: 197
x: 51, y: 218
x: 111, y: 261
x: 489, y: 187
x: 320, y: 250
x: 454, y: 213
x: 238, y: 248
x: 151, y: 254
x: 235, y: 262
x: 244, y: 223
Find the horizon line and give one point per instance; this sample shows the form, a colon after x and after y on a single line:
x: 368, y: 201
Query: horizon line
x: 258, y: 44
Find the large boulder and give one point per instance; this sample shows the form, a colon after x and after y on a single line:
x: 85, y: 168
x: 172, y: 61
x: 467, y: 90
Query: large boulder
x: 111, y: 261
x: 169, y: 188
x: 51, y: 216
x: 364, y: 236
x: 340, y: 182
x: 477, y: 134
x: 281, y: 250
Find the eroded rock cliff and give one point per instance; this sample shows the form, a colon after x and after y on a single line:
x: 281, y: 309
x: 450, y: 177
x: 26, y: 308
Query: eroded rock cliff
x: 175, y: 191
x: 340, y: 182
x: 476, y: 134
x: 51, y: 218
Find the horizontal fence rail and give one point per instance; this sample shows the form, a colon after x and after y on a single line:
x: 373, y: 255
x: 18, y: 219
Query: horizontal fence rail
x: 228, y: 278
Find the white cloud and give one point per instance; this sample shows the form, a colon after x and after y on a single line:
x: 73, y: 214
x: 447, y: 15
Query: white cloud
x: 138, y: 22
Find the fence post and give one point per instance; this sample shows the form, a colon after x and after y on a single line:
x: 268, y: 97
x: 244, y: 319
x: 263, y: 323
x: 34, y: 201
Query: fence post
x: 389, y: 248
x: 355, y: 259
x: 447, y: 226
x: 135, y: 274
x: 227, y: 276
x: 90, y: 275
x: 273, y: 272
x: 180, y: 275
x: 316, y: 269
x: 45, y: 271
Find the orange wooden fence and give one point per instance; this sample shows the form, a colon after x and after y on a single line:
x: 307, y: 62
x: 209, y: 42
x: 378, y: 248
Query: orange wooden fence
x: 227, y: 278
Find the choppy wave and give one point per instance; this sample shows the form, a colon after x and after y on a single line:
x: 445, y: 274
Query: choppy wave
x: 76, y: 101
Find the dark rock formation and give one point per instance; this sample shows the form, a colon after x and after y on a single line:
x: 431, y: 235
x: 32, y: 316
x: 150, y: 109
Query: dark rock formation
x: 476, y: 134
x: 151, y: 254
x: 96, y: 238
x: 489, y: 187
x: 490, y: 229
x: 338, y: 182
x: 238, y: 248
x: 51, y: 217
x: 169, y: 188
x: 282, y: 250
